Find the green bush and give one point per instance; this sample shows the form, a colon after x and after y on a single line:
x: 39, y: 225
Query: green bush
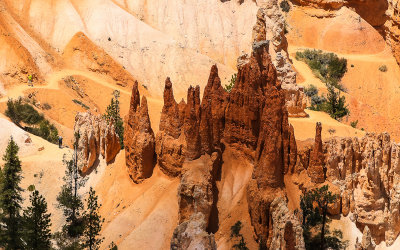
x: 354, y: 124
x: 326, y: 66
x: 229, y: 87
x: 333, y: 103
x: 235, y: 233
x: 20, y: 112
x: 317, y: 235
x: 81, y: 104
x: 46, y: 106
x: 285, y: 6
x: 311, y: 91
x: 383, y: 68
x: 235, y: 229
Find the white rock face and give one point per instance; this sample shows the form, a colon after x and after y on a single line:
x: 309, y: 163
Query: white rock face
x: 271, y: 26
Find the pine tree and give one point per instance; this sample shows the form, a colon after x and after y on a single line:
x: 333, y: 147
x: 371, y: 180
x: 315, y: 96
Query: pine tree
x: 37, y: 223
x: 11, y: 199
x: 337, y: 107
x: 70, y: 200
x: 314, y: 204
x: 113, y: 113
x: 93, y: 222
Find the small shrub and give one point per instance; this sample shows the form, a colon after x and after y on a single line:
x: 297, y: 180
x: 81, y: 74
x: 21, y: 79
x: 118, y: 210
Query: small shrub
x: 46, y: 106
x: 317, y: 102
x: 241, y: 245
x: 311, y: 91
x: 81, y: 104
x: 354, y: 124
x: 383, y: 68
x: 31, y: 188
x: 235, y: 229
x: 285, y: 6
x: 331, y: 131
x: 46, y: 130
x: 229, y: 87
x: 112, y: 246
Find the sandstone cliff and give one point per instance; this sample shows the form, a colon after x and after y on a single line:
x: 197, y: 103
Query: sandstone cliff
x: 96, y: 136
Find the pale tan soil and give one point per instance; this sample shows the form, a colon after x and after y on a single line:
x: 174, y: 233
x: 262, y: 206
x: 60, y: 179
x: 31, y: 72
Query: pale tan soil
x: 304, y: 128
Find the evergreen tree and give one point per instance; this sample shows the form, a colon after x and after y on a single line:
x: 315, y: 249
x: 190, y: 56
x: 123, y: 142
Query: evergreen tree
x: 70, y: 200
x: 37, y: 223
x: 314, y: 204
x: 337, y: 107
x: 113, y: 113
x: 11, y: 199
x: 93, y: 222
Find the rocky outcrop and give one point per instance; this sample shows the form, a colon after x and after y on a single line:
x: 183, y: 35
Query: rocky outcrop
x: 170, y: 141
x: 370, y: 10
x: 139, y: 139
x: 256, y: 120
x: 270, y: 26
x: 316, y: 168
x: 367, y: 242
x: 191, y: 125
x: 189, y: 130
x: 197, y: 184
x: 366, y: 173
x: 287, y: 231
x: 246, y: 100
x: 191, y: 235
x: 96, y: 137
x: 213, y: 106
x: 197, y: 199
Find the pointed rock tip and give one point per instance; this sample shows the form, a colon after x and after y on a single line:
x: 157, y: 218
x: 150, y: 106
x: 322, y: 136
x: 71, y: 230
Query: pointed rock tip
x: 168, y: 83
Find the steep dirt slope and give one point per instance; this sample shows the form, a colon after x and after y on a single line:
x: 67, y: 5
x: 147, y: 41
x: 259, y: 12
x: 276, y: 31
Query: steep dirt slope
x: 148, y: 54
x: 216, y: 29
x: 365, y: 51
